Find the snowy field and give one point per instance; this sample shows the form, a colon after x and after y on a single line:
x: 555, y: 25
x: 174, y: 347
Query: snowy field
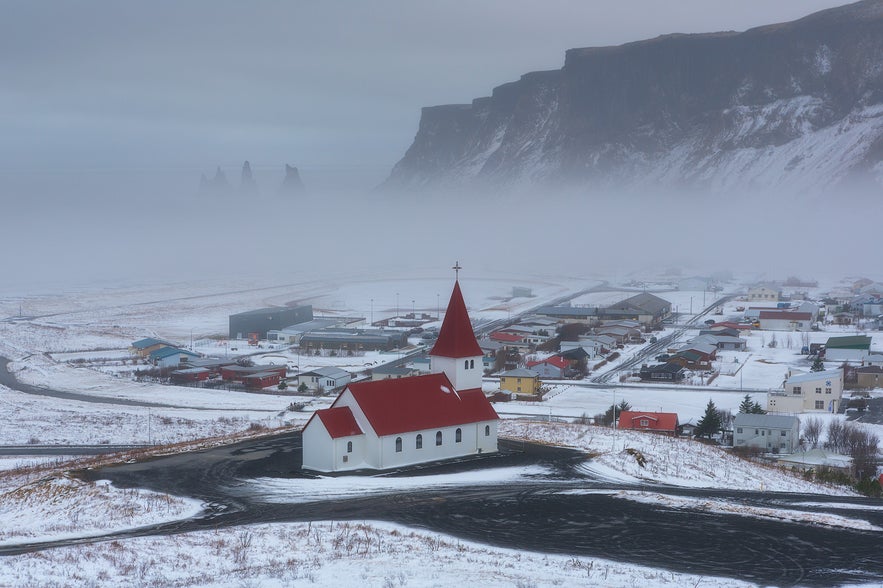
x: 94, y: 326
x: 369, y: 553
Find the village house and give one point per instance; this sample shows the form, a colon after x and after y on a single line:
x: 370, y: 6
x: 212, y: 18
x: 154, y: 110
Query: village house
x: 326, y: 378
x: 657, y: 422
x: 521, y: 381
x: 170, y: 357
x: 649, y: 309
x: 763, y: 293
x: 808, y: 392
x: 768, y: 432
x: 407, y: 421
x: 663, y: 372
x: 869, y: 377
x: 854, y: 348
x: 144, y: 347
x: 392, y: 372
x: 785, y: 320
x: 551, y: 368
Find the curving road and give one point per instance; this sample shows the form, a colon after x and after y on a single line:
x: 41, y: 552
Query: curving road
x: 566, y: 510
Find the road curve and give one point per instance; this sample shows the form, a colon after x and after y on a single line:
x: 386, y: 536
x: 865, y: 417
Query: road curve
x: 564, y: 511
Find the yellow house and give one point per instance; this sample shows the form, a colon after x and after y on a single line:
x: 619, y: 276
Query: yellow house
x: 520, y: 381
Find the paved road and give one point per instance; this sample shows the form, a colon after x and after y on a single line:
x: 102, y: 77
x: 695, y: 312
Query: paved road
x: 564, y: 511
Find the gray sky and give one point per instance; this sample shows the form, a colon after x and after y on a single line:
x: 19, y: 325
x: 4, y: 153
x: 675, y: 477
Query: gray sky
x: 170, y: 84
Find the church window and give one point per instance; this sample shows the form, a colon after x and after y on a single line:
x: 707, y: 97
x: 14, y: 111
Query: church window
x: 419, y: 441
x: 349, y: 446
x: 471, y: 364
x: 465, y: 364
x: 398, y: 444
x: 438, y: 438
x: 487, y: 430
x: 458, y: 435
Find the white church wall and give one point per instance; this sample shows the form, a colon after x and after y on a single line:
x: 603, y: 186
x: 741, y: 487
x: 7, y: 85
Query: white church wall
x: 318, y: 449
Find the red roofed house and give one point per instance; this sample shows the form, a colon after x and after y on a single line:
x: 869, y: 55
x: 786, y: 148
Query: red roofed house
x: 553, y: 367
x: 406, y: 421
x: 658, y: 422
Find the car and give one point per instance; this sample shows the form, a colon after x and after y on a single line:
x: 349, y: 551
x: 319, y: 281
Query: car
x: 710, y: 322
x: 653, y: 339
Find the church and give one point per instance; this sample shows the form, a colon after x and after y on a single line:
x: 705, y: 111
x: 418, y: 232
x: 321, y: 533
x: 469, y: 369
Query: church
x: 393, y: 423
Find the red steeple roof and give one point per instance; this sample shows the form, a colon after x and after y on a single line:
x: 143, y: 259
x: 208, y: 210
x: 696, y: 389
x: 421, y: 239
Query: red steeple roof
x: 456, y: 337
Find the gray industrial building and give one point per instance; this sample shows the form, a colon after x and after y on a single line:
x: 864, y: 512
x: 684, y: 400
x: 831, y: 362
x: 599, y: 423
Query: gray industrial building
x: 268, y: 319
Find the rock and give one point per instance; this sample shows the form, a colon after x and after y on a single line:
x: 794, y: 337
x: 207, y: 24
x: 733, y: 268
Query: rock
x: 292, y: 184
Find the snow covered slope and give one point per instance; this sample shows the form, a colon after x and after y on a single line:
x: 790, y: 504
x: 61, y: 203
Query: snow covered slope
x: 797, y: 104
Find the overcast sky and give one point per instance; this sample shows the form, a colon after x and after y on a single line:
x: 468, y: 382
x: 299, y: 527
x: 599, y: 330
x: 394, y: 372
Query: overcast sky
x: 172, y: 84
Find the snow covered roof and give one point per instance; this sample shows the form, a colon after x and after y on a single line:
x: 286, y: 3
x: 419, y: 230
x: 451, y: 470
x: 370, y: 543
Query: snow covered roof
x: 339, y: 422
x: 815, y: 376
x: 418, y: 403
x: 774, y: 421
x: 456, y: 337
x: 328, y: 372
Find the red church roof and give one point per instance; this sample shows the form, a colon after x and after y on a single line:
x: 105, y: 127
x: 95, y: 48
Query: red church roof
x: 456, y: 337
x: 656, y: 421
x: 419, y: 402
x: 339, y: 422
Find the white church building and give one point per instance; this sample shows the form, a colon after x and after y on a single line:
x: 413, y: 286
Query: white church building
x: 399, y: 422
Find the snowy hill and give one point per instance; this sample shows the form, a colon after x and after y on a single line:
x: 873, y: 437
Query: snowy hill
x: 797, y: 104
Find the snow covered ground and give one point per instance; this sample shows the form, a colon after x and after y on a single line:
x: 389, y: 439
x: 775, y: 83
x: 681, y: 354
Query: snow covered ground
x: 366, y: 553
x: 101, y: 324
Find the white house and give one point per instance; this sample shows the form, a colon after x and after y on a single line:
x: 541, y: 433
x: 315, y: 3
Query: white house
x: 406, y: 421
x: 763, y: 293
x: 768, y: 432
x: 810, y: 392
x: 328, y: 378
x: 854, y: 348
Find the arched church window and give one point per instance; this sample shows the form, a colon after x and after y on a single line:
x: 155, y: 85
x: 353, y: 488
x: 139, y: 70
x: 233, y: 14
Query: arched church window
x: 458, y: 435
x: 419, y: 441
x: 465, y: 364
x: 398, y: 444
x: 438, y: 438
x: 349, y: 446
x: 487, y: 430
x: 471, y: 364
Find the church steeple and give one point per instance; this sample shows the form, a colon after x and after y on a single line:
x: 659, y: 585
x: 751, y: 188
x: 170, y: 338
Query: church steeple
x: 456, y: 351
x: 456, y: 337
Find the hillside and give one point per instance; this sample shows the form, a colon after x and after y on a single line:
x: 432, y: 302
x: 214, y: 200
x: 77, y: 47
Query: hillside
x: 798, y: 104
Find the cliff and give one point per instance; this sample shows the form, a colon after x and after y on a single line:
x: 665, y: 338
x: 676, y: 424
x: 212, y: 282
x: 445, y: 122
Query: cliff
x: 797, y: 104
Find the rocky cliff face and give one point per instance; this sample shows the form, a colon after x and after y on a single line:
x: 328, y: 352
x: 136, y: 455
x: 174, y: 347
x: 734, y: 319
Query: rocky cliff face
x: 797, y: 104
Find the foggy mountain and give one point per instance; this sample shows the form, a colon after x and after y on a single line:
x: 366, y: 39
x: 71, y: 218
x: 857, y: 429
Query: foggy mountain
x: 796, y: 105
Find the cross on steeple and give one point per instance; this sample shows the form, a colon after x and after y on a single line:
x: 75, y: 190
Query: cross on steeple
x: 457, y: 269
